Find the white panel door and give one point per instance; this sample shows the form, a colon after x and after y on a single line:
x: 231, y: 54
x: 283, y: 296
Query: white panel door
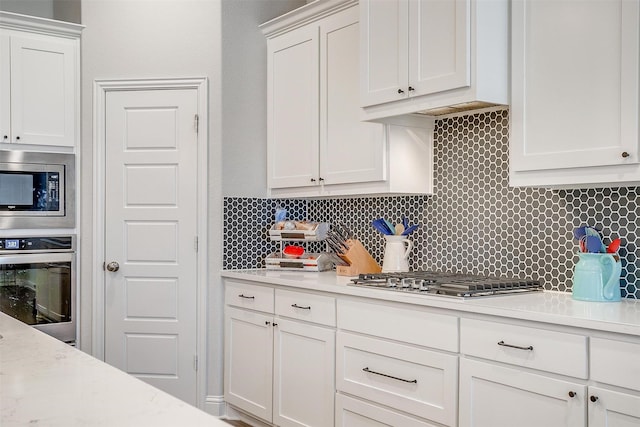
x: 151, y: 226
x: 383, y: 58
x: 350, y: 150
x: 439, y: 45
x: 495, y: 396
x: 304, y: 360
x: 43, y: 96
x: 613, y: 409
x: 292, y: 112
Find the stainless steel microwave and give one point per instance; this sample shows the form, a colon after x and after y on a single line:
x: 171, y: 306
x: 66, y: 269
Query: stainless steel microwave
x: 37, y: 190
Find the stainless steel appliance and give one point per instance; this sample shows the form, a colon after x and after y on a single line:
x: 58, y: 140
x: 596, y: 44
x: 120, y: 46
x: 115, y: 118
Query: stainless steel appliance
x: 37, y: 190
x: 38, y: 283
x: 447, y: 284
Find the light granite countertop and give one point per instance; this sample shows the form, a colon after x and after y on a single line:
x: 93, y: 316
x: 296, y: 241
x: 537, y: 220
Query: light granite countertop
x: 549, y: 307
x: 46, y: 382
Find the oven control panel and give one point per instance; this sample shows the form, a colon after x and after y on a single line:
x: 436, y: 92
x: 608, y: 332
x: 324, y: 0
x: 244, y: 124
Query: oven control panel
x: 37, y: 244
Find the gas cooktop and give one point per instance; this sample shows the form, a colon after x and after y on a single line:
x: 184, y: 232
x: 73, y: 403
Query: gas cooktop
x: 447, y: 284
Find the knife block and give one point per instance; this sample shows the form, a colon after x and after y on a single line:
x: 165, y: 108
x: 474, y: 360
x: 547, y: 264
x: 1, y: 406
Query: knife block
x: 359, y: 259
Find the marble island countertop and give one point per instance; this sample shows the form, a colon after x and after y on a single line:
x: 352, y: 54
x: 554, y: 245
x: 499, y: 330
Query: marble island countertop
x: 46, y: 382
x: 549, y: 307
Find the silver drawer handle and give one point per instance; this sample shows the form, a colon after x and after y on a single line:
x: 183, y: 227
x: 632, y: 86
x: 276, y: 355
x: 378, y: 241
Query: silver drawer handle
x: 502, y: 343
x: 247, y: 297
x: 302, y: 307
x: 390, y: 376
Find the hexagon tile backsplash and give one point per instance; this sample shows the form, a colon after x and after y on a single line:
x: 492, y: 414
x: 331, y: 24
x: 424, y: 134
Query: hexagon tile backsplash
x: 473, y: 223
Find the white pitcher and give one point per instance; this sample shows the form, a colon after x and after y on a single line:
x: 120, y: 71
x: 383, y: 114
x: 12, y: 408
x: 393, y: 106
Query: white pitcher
x: 396, y: 255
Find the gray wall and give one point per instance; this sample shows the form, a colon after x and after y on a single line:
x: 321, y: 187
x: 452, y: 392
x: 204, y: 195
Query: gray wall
x: 62, y: 10
x: 244, y: 94
x: 136, y: 39
x: 40, y: 8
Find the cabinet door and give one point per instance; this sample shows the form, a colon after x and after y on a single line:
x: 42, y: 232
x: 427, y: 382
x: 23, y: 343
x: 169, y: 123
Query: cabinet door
x: 352, y: 412
x: 350, y: 150
x: 43, y: 90
x: 292, y: 112
x: 304, y: 357
x: 5, y: 88
x: 248, y: 364
x: 439, y: 45
x: 495, y: 396
x: 574, y: 84
x: 384, y: 50
x: 613, y: 409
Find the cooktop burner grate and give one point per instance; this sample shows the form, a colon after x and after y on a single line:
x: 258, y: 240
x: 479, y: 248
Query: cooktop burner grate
x: 447, y: 284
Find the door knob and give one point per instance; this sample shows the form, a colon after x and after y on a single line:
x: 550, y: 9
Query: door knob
x: 113, y: 266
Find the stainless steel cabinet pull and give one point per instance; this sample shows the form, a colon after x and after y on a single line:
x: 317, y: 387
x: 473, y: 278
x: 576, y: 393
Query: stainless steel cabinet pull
x: 302, y: 307
x: 390, y: 376
x: 245, y: 296
x: 502, y: 343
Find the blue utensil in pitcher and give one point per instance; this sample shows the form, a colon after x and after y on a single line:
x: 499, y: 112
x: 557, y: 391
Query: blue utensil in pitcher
x: 596, y: 277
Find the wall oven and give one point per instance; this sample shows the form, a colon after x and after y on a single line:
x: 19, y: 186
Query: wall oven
x: 37, y: 190
x: 38, y: 283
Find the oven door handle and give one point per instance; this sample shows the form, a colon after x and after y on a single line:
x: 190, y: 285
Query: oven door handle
x: 36, y: 258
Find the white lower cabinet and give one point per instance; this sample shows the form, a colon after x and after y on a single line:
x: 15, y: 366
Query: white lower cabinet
x: 248, y: 365
x: 351, y: 412
x: 411, y: 379
x: 279, y: 369
x: 614, y: 362
x: 303, y: 389
x: 318, y: 359
x: 608, y: 408
x: 497, y: 396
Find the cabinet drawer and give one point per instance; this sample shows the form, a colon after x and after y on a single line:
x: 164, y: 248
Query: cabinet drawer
x: 549, y: 351
x: 400, y: 323
x: 304, y: 306
x: 249, y: 296
x: 615, y: 362
x: 411, y: 379
x: 352, y: 412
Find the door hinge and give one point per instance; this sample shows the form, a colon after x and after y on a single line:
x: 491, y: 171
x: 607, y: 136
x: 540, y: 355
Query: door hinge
x: 195, y: 362
x: 197, y: 123
x: 195, y: 243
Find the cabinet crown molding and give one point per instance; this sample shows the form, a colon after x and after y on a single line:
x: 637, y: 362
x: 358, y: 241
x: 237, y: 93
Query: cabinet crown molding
x: 39, y: 25
x: 303, y: 15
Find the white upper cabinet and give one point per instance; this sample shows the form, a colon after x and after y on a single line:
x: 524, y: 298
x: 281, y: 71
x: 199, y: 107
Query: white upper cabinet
x: 575, y: 93
x: 317, y: 143
x: 39, y: 81
x: 433, y: 56
x: 292, y: 112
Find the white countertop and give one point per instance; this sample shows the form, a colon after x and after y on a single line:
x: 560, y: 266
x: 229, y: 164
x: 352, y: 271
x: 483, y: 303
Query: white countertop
x: 548, y: 307
x: 46, y: 382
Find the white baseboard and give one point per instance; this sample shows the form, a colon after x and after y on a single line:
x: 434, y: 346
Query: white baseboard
x: 215, y: 405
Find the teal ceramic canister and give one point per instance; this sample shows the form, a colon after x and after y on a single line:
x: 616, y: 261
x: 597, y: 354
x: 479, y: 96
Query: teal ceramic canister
x: 596, y: 277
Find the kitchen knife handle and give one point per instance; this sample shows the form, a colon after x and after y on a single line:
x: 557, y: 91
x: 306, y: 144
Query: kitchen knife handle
x: 390, y: 376
x: 502, y: 343
x: 247, y: 297
x: 308, y: 307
